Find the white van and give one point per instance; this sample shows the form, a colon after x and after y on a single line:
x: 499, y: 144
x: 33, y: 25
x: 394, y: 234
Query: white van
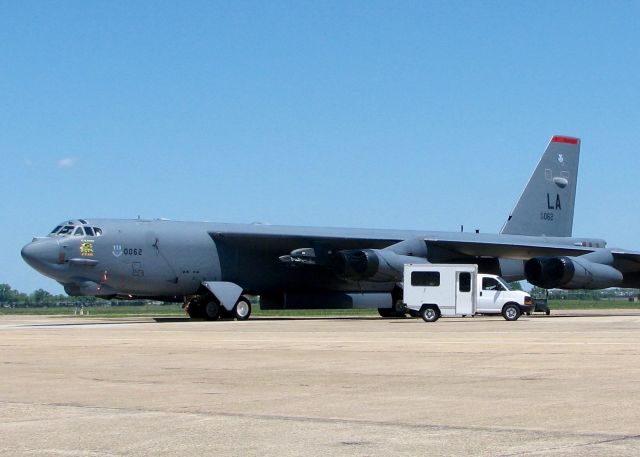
x: 435, y: 290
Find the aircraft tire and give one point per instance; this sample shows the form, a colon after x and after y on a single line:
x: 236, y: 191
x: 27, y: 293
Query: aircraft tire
x: 224, y: 314
x: 385, y: 312
x: 399, y: 310
x: 242, y: 310
x: 430, y: 314
x: 511, y: 312
x: 212, y: 310
x: 195, y: 310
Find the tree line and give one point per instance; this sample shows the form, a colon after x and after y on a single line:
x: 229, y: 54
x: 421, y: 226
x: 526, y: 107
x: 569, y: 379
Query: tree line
x: 40, y: 298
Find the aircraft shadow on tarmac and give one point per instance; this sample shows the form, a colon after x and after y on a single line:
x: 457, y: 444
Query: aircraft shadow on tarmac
x: 393, y: 320
x: 278, y: 318
x: 162, y: 320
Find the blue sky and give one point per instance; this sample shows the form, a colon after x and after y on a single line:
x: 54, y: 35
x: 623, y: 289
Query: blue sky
x: 416, y: 115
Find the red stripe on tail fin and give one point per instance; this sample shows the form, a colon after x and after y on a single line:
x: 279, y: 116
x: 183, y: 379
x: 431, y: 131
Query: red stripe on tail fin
x: 565, y: 139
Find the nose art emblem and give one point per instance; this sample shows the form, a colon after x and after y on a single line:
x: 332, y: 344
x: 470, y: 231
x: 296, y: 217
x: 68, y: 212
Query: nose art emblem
x: 86, y: 248
x: 117, y: 250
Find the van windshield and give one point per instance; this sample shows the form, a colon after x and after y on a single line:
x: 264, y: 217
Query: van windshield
x: 504, y: 283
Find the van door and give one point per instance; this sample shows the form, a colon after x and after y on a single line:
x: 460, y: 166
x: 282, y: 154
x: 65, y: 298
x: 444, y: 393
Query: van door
x: 464, y: 293
x: 489, y: 295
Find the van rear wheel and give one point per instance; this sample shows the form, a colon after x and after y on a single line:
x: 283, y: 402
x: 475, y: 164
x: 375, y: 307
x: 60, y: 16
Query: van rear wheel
x: 429, y: 314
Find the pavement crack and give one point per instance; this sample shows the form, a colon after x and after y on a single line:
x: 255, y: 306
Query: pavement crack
x: 573, y: 446
x: 598, y: 437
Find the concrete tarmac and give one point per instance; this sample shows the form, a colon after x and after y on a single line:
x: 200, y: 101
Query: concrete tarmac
x: 568, y: 384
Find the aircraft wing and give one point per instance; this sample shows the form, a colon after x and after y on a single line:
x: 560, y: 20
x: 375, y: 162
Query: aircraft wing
x: 278, y: 242
x: 440, y: 250
x: 626, y: 261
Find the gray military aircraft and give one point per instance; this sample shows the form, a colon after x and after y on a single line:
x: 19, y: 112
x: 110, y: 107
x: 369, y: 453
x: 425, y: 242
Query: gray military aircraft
x: 211, y: 267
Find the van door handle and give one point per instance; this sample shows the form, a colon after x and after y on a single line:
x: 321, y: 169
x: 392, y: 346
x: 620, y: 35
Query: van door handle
x: 481, y: 293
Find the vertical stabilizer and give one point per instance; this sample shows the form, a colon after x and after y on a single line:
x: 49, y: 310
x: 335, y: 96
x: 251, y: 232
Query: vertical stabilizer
x: 545, y: 208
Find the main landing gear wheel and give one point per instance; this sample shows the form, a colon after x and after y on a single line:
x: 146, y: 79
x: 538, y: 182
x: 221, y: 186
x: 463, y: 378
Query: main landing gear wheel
x: 511, y: 312
x: 195, y: 310
x: 224, y: 314
x: 242, y: 310
x: 212, y: 310
x: 429, y: 314
x: 398, y: 310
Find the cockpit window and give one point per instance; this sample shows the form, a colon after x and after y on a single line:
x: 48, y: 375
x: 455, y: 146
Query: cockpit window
x: 73, y: 229
x: 67, y: 229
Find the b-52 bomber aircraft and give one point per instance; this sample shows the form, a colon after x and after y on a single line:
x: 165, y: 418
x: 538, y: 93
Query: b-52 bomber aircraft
x: 212, y: 267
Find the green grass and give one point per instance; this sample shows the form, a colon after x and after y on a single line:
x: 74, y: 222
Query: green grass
x: 173, y: 310
x: 593, y: 304
x: 99, y: 311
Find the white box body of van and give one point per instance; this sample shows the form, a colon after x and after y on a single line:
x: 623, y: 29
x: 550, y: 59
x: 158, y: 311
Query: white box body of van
x: 451, y: 288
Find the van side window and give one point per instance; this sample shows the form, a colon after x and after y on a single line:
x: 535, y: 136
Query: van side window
x: 425, y: 278
x: 491, y: 284
x: 464, y: 282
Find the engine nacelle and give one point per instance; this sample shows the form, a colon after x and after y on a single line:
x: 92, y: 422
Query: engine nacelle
x: 372, y: 264
x: 570, y: 273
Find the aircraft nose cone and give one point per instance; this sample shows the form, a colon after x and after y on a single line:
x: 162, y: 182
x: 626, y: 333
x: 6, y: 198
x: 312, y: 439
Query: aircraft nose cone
x: 39, y: 253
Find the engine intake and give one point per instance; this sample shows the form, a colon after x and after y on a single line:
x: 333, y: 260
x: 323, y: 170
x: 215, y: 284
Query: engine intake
x: 356, y: 264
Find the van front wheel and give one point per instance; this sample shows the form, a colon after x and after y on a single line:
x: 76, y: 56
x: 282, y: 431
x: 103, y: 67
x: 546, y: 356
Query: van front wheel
x: 511, y: 312
x: 430, y: 314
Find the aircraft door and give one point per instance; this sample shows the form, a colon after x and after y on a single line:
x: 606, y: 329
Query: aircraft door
x: 464, y: 293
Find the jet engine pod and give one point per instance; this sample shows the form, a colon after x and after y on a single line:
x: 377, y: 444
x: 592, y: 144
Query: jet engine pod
x: 379, y: 265
x: 570, y: 273
x: 549, y: 272
x: 356, y: 264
